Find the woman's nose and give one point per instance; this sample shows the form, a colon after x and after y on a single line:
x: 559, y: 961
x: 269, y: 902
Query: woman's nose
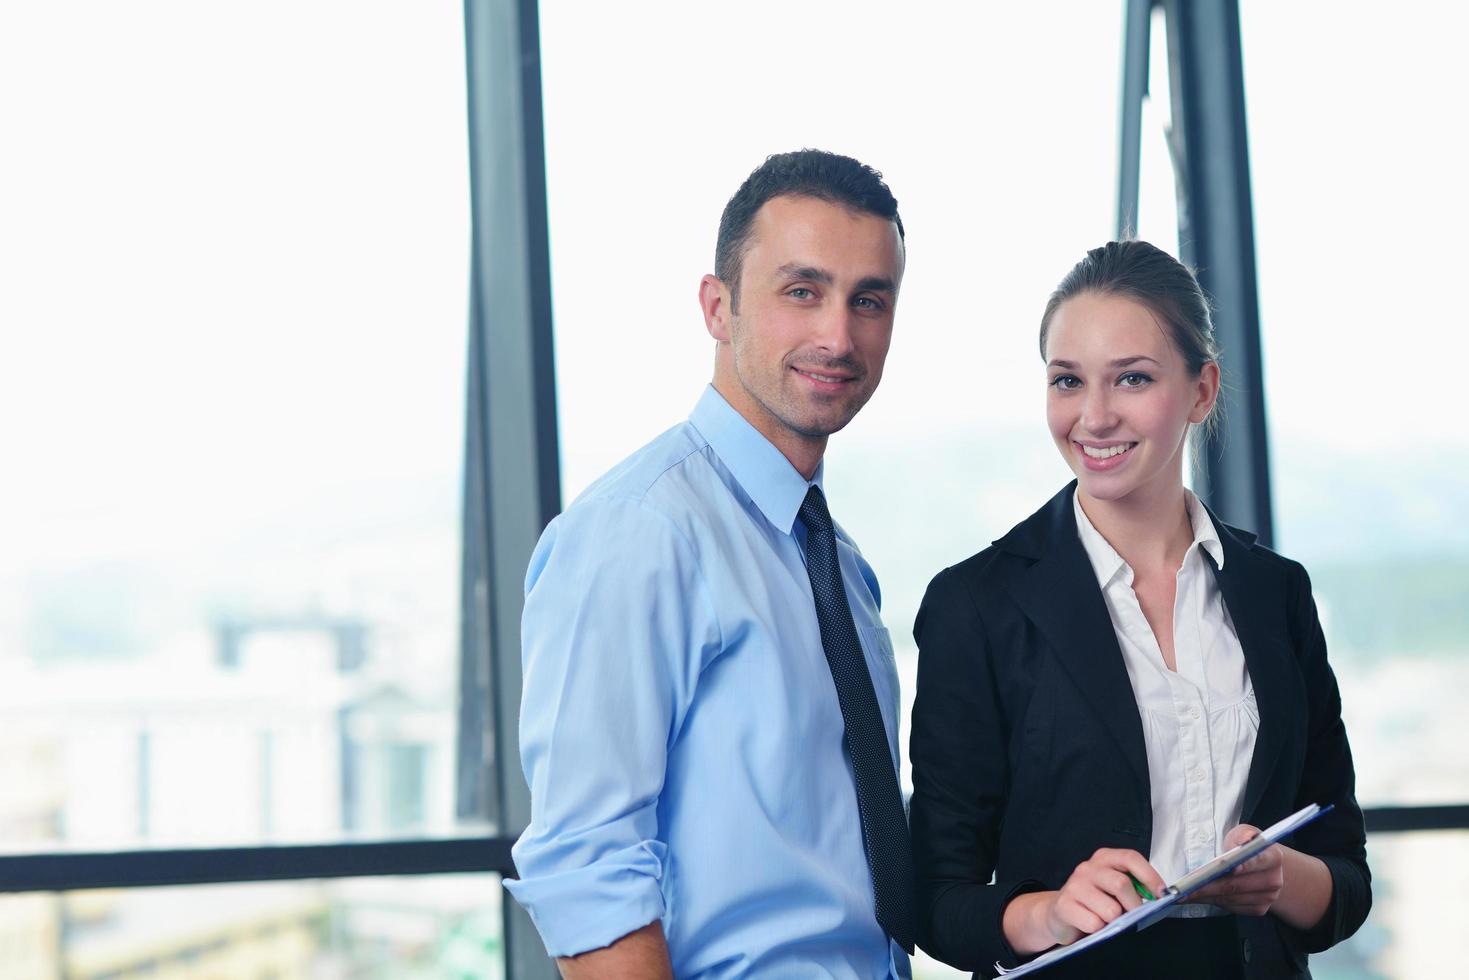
x: 1097, y: 414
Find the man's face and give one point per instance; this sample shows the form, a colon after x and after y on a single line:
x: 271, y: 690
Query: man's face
x: 818, y: 287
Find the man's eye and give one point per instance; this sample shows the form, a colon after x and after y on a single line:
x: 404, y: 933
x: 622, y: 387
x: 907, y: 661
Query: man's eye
x: 800, y: 292
x: 1133, y: 379
x: 1066, y: 382
x: 866, y: 303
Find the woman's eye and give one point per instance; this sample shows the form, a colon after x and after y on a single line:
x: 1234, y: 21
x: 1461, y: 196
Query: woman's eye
x: 1066, y: 382
x: 1133, y: 379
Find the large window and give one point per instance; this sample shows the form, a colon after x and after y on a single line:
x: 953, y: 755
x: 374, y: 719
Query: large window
x: 236, y: 253
x: 1360, y: 206
x: 235, y: 245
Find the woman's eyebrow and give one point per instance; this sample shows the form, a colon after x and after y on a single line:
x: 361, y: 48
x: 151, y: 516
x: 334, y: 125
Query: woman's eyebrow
x: 1125, y: 361
x: 1118, y: 363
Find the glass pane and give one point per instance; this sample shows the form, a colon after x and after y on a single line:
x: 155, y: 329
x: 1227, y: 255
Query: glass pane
x: 1417, y: 906
x: 443, y: 927
x: 235, y: 243
x: 1359, y: 200
x: 1157, y: 217
x: 1360, y: 204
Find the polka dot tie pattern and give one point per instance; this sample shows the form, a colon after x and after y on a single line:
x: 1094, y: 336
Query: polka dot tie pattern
x: 884, y: 826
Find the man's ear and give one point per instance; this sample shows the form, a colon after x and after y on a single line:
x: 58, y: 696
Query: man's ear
x: 715, y: 301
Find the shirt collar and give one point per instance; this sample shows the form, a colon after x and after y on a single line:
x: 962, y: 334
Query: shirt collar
x: 760, y: 469
x: 1206, y: 535
x: 1106, y: 562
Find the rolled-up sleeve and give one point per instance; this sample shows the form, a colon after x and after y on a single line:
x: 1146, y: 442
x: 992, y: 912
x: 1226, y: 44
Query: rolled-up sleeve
x: 616, y: 627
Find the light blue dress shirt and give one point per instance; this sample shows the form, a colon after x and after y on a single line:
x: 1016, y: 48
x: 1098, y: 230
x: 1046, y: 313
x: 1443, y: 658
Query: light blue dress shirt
x: 679, y: 726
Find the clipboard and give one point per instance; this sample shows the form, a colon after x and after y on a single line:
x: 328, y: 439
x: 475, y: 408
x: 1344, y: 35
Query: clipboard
x: 1149, y: 912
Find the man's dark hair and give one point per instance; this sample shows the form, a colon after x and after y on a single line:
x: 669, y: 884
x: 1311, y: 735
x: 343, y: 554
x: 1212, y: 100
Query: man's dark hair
x: 804, y: 173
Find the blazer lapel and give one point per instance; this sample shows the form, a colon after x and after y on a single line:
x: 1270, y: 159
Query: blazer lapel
x: 1250, y: 592
x: 1060, y: 595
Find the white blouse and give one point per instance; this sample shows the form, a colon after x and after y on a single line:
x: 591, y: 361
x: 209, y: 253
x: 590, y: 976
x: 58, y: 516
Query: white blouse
x: 1199, y: 722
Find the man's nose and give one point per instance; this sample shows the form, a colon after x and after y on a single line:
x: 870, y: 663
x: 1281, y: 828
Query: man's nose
x: 834, y: 328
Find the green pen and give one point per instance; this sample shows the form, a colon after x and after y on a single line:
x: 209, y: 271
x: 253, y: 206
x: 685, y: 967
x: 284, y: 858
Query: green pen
x: 1142, y: 890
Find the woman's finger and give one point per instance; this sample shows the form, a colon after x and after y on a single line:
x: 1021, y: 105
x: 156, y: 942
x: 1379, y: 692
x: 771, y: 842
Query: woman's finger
x: 1119, y: 886
x: 1075, y: 916
x: 1131, y: 862
x: 1099, y: 903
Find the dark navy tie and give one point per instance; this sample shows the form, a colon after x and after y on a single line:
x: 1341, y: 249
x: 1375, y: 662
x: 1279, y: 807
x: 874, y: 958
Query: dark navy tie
x: 884, y: 828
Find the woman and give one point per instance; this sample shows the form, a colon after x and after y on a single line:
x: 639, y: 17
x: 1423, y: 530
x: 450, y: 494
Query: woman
x: 1124, y: 685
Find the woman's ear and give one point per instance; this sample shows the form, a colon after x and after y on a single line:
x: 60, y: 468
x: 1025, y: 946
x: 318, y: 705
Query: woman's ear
x: 1207, y: 392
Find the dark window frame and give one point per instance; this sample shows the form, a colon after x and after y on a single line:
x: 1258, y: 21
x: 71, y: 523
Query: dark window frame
x: 152, y: 867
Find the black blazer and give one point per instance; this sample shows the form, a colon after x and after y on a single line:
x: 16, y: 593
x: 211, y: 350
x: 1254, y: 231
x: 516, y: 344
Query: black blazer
x: 1027, y: 745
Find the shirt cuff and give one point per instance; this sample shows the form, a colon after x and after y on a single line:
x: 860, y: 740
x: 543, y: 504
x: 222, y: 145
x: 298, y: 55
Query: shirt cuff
x: 590, y: 907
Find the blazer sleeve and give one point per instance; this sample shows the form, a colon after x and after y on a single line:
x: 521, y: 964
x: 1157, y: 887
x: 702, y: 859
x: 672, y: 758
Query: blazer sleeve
x: 1340, y: 838
x: 958, y: 751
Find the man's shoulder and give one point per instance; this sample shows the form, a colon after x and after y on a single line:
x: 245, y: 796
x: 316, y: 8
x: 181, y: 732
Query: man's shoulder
x: 667, y: 463
x: 639, y: 514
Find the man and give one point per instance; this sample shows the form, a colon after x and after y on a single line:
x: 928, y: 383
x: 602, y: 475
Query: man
x: 709, y: 717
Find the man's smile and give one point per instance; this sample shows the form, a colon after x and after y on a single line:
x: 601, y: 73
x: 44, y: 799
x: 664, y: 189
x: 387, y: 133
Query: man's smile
x: 825, y: 378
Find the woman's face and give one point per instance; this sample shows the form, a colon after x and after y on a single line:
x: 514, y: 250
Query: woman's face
x: 1120, y: 397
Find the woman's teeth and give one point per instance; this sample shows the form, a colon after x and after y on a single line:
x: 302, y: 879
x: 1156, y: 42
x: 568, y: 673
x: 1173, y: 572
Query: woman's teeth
x: 1108, y: 452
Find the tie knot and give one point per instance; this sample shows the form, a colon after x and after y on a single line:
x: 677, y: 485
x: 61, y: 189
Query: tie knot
x: 814, y: 513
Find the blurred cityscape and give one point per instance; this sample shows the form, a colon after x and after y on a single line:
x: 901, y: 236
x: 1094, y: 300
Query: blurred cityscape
x: 239, y: 728
x: 418, y: 928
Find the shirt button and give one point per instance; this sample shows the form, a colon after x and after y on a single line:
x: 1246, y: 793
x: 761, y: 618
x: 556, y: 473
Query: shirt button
x: 1196, y: 774
x: 1200, y: 836
x: 1193, y: 712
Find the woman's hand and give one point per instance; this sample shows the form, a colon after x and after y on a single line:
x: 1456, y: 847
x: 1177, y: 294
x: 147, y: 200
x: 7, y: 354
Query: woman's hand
x: 1253, y: 887
x: 1097, y: 892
